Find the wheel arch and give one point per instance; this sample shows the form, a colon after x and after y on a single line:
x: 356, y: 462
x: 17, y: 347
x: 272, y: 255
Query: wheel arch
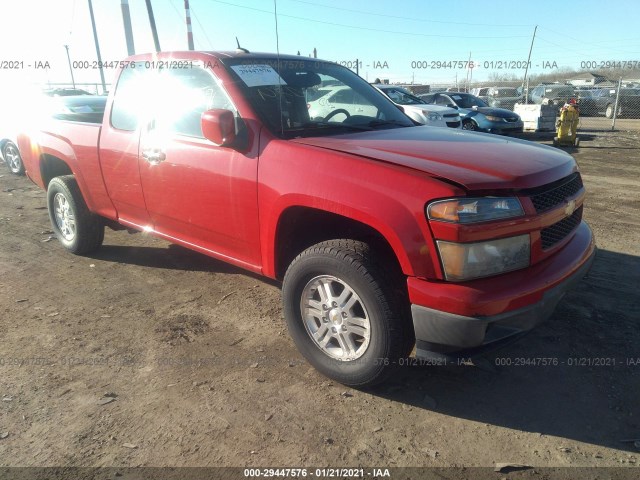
x: 300, y: 227
x: 50, y: 167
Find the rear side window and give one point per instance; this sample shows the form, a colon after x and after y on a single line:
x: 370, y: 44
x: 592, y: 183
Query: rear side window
x: 167, y: 99
x: 126, y: 109
x: 189, y: 92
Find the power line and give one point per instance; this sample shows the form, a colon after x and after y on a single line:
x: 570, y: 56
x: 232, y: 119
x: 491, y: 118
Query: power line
x: 384, y: 15
x: 204, y: 32
x: 367, y: 28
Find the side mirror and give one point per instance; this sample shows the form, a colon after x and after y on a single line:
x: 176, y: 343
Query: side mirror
x: 219, y: 126
x: 401, y: 108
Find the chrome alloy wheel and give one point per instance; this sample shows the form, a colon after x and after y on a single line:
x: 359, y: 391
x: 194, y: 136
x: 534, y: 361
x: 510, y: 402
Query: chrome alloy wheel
x: 12, y: 157
x: 335, y: 318
x: 65, y: 217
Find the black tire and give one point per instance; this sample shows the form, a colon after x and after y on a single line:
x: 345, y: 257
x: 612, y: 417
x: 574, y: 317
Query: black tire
x: 469, y: 125
x: 79, y: 230
x: 12, y: 158
x: 390, y: 336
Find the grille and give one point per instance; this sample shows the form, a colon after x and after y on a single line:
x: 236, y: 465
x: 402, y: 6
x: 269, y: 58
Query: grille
x: 557, y: 194
x: 559, y: 230
x: 450, y: 115
x: 512, y: 119
x: 453, y: 124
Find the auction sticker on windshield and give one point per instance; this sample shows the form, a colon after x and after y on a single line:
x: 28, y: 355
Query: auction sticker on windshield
x: 258, y: 75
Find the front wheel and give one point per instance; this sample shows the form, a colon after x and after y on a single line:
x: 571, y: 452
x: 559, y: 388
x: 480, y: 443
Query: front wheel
x: 344, y: 313
x: 12, y: 158
x: 609, y: 111
x: 469, y: 125
x: 79, y: 230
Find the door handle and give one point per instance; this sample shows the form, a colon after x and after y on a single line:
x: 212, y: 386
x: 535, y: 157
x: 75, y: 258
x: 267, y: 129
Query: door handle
x: 154, y: 155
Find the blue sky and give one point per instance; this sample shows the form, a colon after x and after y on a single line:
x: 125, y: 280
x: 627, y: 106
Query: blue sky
x: 396, y: 40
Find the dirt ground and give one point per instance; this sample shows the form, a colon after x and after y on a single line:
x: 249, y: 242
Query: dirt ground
x: 147, y: 354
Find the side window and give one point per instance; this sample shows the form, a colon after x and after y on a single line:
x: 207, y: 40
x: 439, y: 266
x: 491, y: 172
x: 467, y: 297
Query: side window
x: 184, y: 94
x: 128, y: 98
x: 343, y: 96
x: 395, y: 95
x: 359, y: 99
x: 443, y: 100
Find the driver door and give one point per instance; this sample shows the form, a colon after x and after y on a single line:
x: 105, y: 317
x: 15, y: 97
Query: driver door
x: 200, y: 194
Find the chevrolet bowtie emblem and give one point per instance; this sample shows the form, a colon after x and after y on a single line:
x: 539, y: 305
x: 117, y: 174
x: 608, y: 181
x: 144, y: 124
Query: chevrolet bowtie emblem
x: 570, y: 208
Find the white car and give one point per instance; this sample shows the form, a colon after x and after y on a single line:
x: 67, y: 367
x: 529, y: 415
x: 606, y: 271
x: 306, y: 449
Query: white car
x: 419, y: 110
x: 341, y: 101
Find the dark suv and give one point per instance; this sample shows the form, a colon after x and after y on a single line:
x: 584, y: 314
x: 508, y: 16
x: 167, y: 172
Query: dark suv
x: 552, y: 94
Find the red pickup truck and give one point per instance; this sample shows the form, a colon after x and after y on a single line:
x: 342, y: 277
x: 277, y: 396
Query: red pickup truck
x: 386, y: 235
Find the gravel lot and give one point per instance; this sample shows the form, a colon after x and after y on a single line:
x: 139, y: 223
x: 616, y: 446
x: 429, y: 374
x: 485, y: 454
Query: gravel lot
x: 147, y: 354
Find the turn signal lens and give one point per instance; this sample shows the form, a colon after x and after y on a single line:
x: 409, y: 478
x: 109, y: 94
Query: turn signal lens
x: 473, y: 210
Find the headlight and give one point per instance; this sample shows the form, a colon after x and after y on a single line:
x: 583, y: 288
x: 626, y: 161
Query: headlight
x: 466, y: 261
x: 473, y: 210
x: 491, y: 118
x: 434, y: 117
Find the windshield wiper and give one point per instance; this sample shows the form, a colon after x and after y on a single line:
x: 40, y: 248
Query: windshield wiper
x: 384, y: 123
x: 314, y: 125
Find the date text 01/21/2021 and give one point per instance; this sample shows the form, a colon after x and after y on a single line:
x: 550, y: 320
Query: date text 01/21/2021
x: 317, y: 472
x: 569, y: 362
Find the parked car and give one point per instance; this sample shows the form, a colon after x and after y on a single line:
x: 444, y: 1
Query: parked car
x: 553, y: 94
x: 603, y: 101
x: 11, y: 155
x: 419, y: 110
x: 340, y: 101
x: 65, y: 92
x: 586, y: 102
x: 481, y: 93
x: 503, y: 97
x: 385, y: 235
x: 476, y: 114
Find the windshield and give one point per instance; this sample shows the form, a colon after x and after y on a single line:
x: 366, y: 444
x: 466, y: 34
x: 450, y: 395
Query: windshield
x: 466, y: 100
x: 566, y: 91
x: 506, y: 92
x: 401, y: 97
x: 309, y: 97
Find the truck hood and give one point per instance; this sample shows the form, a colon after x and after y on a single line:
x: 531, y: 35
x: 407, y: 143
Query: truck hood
x: 475, y: 161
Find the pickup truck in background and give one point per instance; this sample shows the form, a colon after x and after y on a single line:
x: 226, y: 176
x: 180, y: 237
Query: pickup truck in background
x: 385, y: 235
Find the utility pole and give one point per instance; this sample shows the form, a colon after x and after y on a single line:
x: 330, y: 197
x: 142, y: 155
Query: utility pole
x: 73, y: 82
x: 468, y: 70
x: 95, y: 39
x: 152, y: 23
x: 128, y: 33
x: 526, y: 69
x: 189, y: 31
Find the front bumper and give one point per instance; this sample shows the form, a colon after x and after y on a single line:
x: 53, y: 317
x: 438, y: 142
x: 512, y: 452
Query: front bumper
x: 505, y: 127
x: 488, y: 312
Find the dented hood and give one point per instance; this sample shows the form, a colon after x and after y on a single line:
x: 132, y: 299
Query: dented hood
x: 476, y: 161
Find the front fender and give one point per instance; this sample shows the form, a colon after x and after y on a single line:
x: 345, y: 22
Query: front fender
x: 388, y: 198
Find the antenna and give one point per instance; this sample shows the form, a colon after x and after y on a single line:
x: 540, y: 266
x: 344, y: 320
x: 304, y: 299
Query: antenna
x: 275, y: 14
x: 240, y: 49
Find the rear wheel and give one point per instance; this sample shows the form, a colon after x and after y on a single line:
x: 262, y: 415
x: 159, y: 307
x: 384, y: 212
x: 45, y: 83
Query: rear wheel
x: 344, y: 314
x: 79, y: 230
x: 12, y: 158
